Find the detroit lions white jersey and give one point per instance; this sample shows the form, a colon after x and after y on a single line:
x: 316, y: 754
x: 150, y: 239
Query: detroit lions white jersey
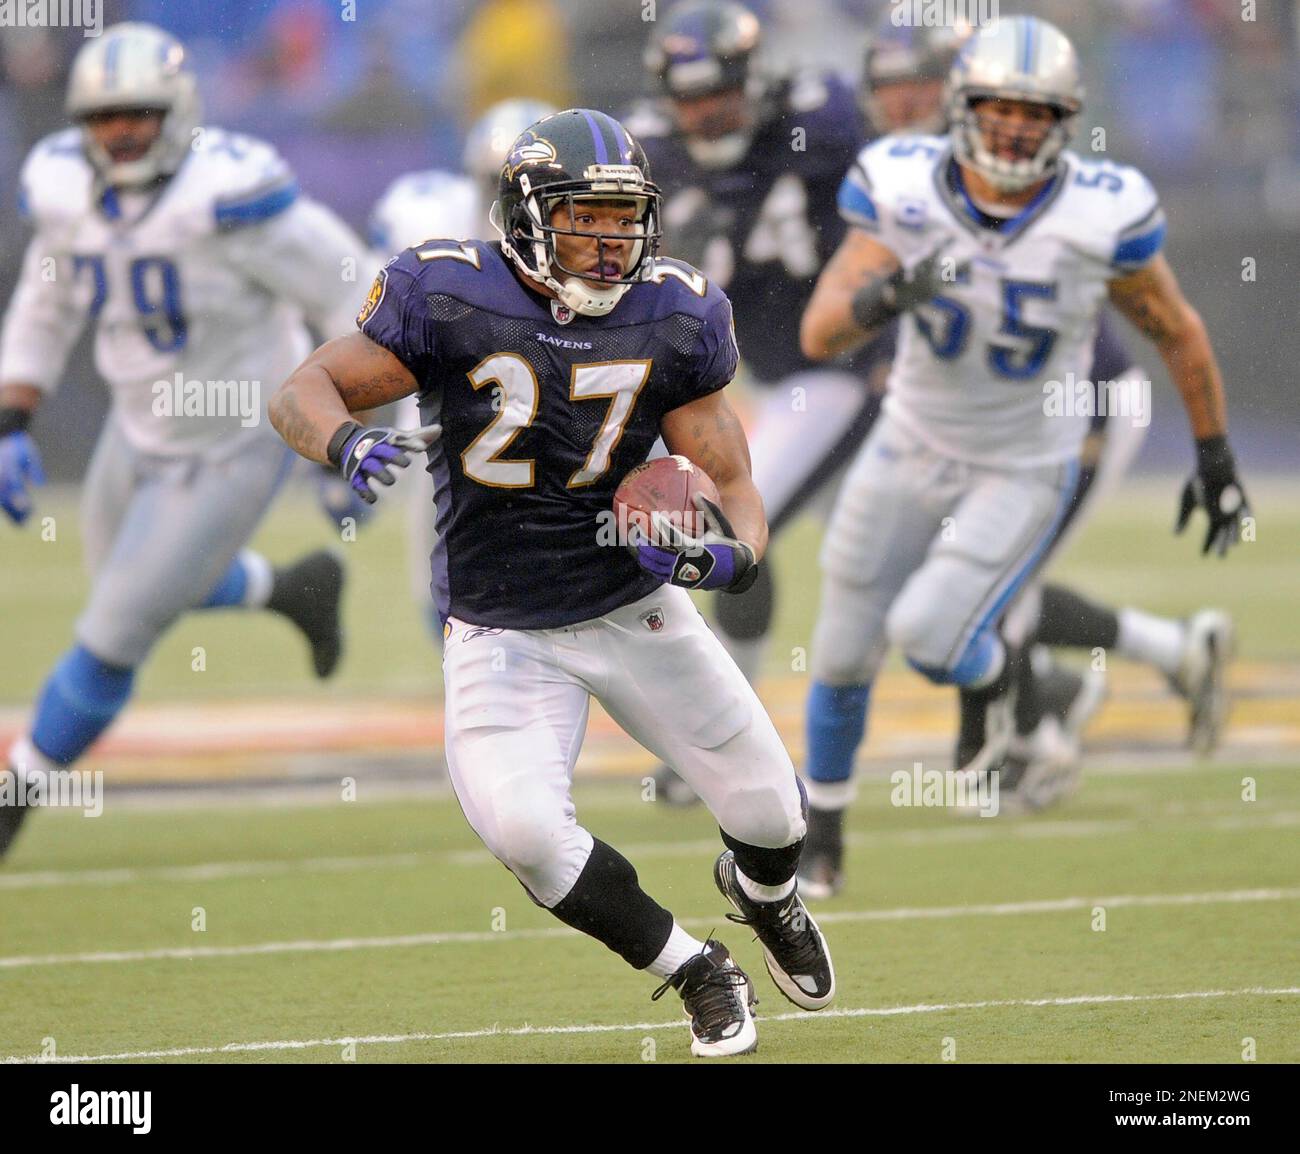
x: 198, y: 291
x: 978, y: 367
x: 422, y: 206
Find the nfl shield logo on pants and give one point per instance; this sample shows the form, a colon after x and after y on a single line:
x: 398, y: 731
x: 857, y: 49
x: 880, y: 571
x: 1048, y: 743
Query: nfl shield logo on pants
x: 653, y: 619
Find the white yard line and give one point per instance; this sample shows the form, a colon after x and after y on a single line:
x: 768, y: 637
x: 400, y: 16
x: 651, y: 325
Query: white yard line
x: 677, y: 1024
x: 397, y: 941
x: 208, y: 871
x: 972, y: 829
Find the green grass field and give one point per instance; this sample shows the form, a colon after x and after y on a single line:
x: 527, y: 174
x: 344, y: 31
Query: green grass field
x: 1128, y: 555
x: 387, y: 923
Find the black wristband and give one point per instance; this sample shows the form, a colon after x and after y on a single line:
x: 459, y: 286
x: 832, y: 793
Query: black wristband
x: 869, y: 307
x: 335, y: 449
x: 1214, y: 458
x: 745, y: 581
x: 14, y: 420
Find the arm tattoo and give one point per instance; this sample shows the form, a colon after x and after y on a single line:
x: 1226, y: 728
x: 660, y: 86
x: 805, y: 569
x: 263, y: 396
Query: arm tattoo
x: 1140, y: 302
x: 293, y: 425
x: 707, y: 459
x: 371, y: 393
x: 380, y: 388
x: 1148, y: 320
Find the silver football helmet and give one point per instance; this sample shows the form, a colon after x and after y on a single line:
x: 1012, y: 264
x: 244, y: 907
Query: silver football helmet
x: 492, y: 135
x: 1019, y: 58
x: 136, y: 66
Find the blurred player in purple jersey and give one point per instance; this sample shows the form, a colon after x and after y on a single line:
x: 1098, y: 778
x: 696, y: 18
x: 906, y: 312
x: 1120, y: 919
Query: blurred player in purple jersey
x: 750, y: 162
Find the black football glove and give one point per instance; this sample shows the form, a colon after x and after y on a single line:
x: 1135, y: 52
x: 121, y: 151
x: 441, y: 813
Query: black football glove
x: 878, y: 302
x: 1216, y: 489
x: 908, y: 288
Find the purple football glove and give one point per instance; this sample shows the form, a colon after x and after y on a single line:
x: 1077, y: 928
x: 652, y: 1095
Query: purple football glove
x: 20, y: 466
x: 371, y: 454
x: 714, y: 560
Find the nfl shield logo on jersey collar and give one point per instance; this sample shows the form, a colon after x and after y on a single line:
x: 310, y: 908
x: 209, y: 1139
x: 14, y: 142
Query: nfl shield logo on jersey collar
x: 653, y: 619
x: 562, y: 313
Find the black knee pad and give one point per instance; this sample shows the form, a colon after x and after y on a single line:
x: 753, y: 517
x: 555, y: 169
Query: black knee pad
x: 748, y: 616
x: 767, y: 867
x: 607, y: 903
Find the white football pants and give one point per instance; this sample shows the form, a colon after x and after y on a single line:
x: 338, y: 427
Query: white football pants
x: 159, y: 532
x: 1120, y: 444
x: 923, y: 552
x: 516, y: 711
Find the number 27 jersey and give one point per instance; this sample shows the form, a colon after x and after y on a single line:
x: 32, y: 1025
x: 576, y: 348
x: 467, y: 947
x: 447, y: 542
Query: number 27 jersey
x: 543, y: 412
x: 981, y: 369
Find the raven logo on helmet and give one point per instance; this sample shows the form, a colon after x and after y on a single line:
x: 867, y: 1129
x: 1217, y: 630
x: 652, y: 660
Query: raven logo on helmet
x: 529, y: 149
x: 564, y: 159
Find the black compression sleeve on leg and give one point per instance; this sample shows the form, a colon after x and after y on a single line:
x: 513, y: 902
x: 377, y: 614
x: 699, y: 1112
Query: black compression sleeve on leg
x: 607, y: 903
x: 748, y: 616
x: 1067, y: 619
x: 1029, y: 709
x: 767, y: 867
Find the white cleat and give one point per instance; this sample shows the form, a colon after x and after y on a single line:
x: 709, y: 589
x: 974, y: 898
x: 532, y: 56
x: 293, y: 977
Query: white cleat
x: 1087, y: 701
x: 719, y: 1000
x: 1209, y: 645
x: 1042, y: 769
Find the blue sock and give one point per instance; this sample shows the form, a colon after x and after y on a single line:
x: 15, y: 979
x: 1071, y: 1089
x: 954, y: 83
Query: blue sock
x: 837, y: 719
x: 232, y: 587
x: 984, y: 653
x: 79, y: 701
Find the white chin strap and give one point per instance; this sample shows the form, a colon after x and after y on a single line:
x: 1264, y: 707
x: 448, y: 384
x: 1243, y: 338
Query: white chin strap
x: 574, y: 292
x: 582, y: 298
x: 1006, y: 175
x: 1011, y: 175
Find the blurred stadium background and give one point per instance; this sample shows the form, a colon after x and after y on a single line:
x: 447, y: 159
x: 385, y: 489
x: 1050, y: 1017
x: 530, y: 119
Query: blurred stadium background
x: 1204, y: 101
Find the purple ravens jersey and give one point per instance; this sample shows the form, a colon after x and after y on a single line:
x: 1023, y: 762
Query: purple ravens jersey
x: 543, y: 412
x: 762, y: 228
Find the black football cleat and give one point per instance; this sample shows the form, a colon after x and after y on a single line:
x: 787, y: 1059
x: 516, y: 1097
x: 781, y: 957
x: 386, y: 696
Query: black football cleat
x: 719, y: 999
x: 308, y: 592
x: 12, y: 816
x: 793, y: 946
x: 821, y: 864
x: 1042, y: 769
x: 987, y: 722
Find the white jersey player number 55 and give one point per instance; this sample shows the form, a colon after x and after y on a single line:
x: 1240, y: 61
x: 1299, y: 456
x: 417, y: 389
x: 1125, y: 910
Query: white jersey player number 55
x: 945, y: 323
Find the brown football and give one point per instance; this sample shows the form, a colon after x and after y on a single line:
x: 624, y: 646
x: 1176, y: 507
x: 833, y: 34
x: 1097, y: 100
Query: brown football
x: 665, y: 485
